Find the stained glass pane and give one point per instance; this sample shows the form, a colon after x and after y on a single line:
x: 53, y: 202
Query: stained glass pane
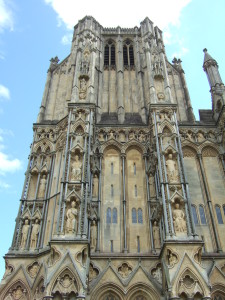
x: 134, y: 215
x: 140, y: 216
x: 202, y: 214
x: 108, y: 215
x: 194, y: 213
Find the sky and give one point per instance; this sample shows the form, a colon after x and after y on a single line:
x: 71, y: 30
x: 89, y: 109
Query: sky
x: 34, y: 31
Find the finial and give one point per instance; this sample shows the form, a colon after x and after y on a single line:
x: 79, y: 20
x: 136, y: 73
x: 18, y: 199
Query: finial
x: 204, y: 50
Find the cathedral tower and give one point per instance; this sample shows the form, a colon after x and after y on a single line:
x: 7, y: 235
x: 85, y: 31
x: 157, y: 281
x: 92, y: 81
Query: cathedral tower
x: 124, y: 191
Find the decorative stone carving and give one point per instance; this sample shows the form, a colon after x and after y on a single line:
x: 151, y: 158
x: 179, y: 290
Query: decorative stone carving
x: 25, y: 230
x: 157, y: 273
x: 142, y: 137
x: 179, y: 219
x: 101, y: 137
x: 172, y: 258
x: 53, y: 257
x: 124, y: 270
x: 161, y: 96
x: 198, y: 256
x: 16, y: 293
x: 156, y: 235
x: 95, y: 186
x: 157, y: 67
x: 93, y: 272
x: 8, y: 269
x: 34, y: 234
x: 131, y: 135
x: 122, y: 137
x: 42, y: 187
x: 93, y: 236
x: 171, y: 169
x: 65, y: 285
x: 189, y: 286
x: 71, y: 219
x: 111, y: 135
x: 82, y: 257
x: 151, y: 181
x: 39, y: 291
x: 200, y: 137
x: 83, y: 87
x: 76, y: 169
x: 33, y: 269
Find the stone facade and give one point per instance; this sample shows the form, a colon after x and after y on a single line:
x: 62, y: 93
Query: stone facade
x: 124, y: 191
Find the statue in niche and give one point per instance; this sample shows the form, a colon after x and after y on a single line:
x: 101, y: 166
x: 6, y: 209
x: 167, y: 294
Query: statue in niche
x: 200, y: 137
x: 42, y: 186
x: 76, y: 169
x: 71, y: 219
x: 25, y: 230
x: 95, y: 186
x: 33, y: 269
x: 157, y: 67
x: 156, y: 235
x: 101, y: 137
x: 142, y: 137
x: 111, y: 135
x: 83, y: 88
x: 34, y: 234
x: 171, y: 259
x: 179, y: 219
x: 171, y: 169
x: 157, y: 274
x: 122, y: 137
x: 131, y: 135
x: 93, y: 236
x: 151, y: 181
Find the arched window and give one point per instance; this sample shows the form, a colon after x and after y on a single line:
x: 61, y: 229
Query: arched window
x: 134, y: 215
x: 110, y: 54
x: 219, y: 215
x: 194, y: 213
x: 128, y: 54
x: 108, y: 215
x: 202, y: 215
x: 135, y: 190
x: 114, y: 218
x: 112, y: 190
x: 111, y: 168
x: 134, y: 168
x: 140, y: 216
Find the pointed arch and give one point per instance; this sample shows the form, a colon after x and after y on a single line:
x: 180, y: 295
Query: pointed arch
x: 20, y: 287
x: 104, y: 290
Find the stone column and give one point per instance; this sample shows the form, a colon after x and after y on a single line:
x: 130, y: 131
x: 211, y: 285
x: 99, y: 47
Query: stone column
x: 119, y: 58
x: 209, y: 202
x: 124, y: 204
x: 99, y: 203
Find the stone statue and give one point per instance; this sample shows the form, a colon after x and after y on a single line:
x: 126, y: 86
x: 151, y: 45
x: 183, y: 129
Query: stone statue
x: 172, y: 259
x: 95, y: 186
x: 93, y: 236
x: 42, y: 187
x: 34, y: 234
x: 156, y: 236
x: 25, y: 230
x: 171, y: 169
x: 179, y: 219
x: 76, y: 169
x: 151, y: 181
x: 71, y: 222
x: 83, y: 88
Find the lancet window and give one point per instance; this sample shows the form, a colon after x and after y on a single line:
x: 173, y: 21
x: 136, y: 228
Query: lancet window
x: 194, y: 213
x: 111, y: 216
x: 219, y: 215
x: 128, y: 54
x: 202, y: 215
x: 109, y: 54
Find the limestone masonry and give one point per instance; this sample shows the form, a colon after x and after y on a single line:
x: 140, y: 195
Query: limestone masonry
x: 124, y: 193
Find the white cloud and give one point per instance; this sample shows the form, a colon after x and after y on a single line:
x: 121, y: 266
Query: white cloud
x: 7, y: 164
x: 162, y: 12
x: 4, y: 92
x: 66, y: 39
x: 6, y: 16
x: 182, y: 51
x: 4, y: 185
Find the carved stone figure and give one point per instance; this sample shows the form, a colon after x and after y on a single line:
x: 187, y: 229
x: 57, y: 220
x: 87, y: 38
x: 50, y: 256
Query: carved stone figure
x: 25, y: 230
x: 179, y: 219
x: 171, y: 169
x: 95, y: 186
x: 42, y: 187
x: 34, y: 234
x: 8, y: 269
x: 141, y: 137
x: 33, y: 269
x: 71, y: 222
x: 172, y: 259
x: 93, y: 236
x: 101, y: 137
x: 156, y: 236
x: 151, y: 181
x: 76, y: 169
x: 83, y: 88
x: 200, y: 137
x: 93, y: 272
x: 124, y: 270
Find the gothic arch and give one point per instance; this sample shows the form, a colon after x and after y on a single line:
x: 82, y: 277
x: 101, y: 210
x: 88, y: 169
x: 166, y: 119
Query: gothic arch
x: 136, y: 145
x: 218, y: 290
x: 107, y: 288
x: 209, y: 150
x: 80, y: 123
x: 144, y: 290
x: 18, y: 285
x: 65, y: 277
x: 167, y: 124
x: 189, y: 151
x: 111, y: 144
x: 44, y: 144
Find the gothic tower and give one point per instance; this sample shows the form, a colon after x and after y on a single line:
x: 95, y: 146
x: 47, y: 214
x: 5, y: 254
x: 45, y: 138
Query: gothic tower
x: 124, y: 191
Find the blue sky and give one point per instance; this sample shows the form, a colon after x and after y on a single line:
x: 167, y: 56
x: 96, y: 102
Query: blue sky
x: 31, y: 32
